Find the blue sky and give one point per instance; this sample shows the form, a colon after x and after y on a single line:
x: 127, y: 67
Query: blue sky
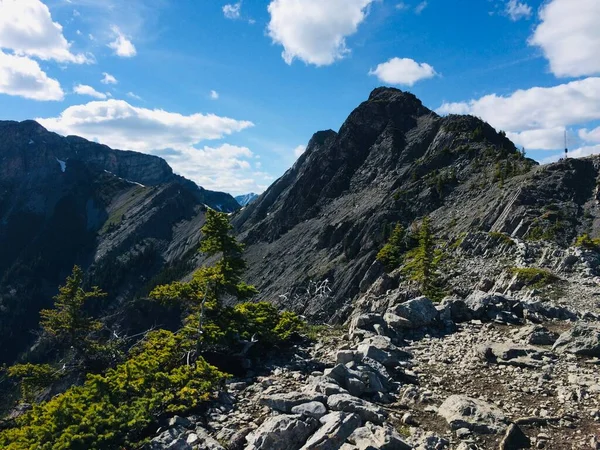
x: 229, y: 92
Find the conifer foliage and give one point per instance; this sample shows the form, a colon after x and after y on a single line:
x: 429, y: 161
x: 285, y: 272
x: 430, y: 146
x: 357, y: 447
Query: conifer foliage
x: 423, y: 260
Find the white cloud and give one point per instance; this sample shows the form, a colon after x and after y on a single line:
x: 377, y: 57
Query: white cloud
x: 537, y: 111
x: 132, y: 95
x: 23, y: 77
x: 569, y: 35
x: 83, y: 89
x: 108, y: 79
x: 224, y: 168
x: 403, y: 71
x: 517, y: 10
x: 122, y: 45
x: 118, y: 124
x: 581, y: 152
x: 233, y: 11
x: 315, y: 31
x: 544, y: 139
x: 172, y: 136
x: 402, y: 6
x: 26, y: 27
x: 421, y: 7
x: 214, y: 95
x: 590, y: 135
x: 299, y: 150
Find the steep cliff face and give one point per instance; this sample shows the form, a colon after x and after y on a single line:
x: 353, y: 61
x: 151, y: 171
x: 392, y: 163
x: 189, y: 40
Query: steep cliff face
x: 395, y: 161
x: 123, y: 216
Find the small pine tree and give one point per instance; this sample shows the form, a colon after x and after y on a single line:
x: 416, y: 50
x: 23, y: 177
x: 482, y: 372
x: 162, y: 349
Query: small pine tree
x: 391, y: 254
x: 203, y: 293
x: 218, y: 240
x: 422, y: 262
x: 67, y: 322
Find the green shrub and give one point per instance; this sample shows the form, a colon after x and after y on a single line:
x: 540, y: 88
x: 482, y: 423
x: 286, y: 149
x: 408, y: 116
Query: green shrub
x: 585, y: 241
x: 115, y: 410
x: 32, y: 378
x: 534, y: 277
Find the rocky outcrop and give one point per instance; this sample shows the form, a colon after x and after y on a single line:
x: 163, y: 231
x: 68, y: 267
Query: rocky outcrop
x: 582, y: 339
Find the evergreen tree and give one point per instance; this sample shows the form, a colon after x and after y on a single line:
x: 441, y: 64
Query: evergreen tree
x: 422, y: 262
x: 67, y: 322
x: 391, y: 254
x: 202, y: 295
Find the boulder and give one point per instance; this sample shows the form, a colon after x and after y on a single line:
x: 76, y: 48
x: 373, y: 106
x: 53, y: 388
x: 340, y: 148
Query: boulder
x: 514, y: 439
x: 285, y: 402
x: 512, y: 354
x: 372, y: 437
x: 344, y: 356
x: 281, y: 433
x: 456, y: 310
x: 312, y: 409
x: 346, y: 378
x: 582, y: 339
x: 536, y: 335
x: 364, y: 322
x: 419, y: 312
x: 478, y: 416
x: 381, y: 349
x: 335, y: 429
x: 173, y: 439
x: 322, y: 385
x: 366, y: 410
x: 485, y: 306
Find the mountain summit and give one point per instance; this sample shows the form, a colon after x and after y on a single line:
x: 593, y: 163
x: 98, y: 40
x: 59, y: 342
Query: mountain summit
x: 395, y: 161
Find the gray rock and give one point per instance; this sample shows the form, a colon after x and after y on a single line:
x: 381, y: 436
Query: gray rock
x: 366, y: 410
x: 322, y: 385
x: 346, y: 378
x: 285, y: 402
x: 381, y: 349
x: 511, y: 354
x: 313, y: 409
x: 173, y: 439
x: 281, y: 433
x: 485, y: 306
x: 457, y: 310
x: 582, y: 339
x: 335, y: 429
x: 514, y: 439
x: 371, y: 437
x: 177, y: 421
x: 344, y: 356
x: 478, y: 416
x: 204, y: 441
x: 536, y: 335
x: 419, y: 312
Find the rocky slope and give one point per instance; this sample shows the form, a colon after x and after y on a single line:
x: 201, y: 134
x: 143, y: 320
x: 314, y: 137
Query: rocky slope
x: 486, y: 372
x: 395, y: 161
x: 65, y: 201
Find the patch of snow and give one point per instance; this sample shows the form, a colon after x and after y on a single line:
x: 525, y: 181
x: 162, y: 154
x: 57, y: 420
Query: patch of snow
x: 63, y: 165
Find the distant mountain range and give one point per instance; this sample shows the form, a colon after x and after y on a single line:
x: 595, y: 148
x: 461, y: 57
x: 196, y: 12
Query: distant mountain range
x: 124, y: 216
x: 245, y: 200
